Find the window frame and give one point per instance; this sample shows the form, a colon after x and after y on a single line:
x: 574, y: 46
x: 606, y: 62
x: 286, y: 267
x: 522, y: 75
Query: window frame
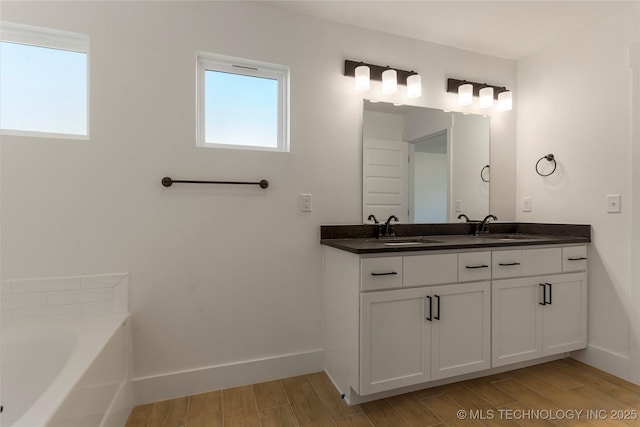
x: 53, y: 39
x: 243, y: 67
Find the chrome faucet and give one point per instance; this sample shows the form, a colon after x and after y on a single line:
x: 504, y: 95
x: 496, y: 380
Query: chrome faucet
x: 388, y: 227
x: 484, y: 224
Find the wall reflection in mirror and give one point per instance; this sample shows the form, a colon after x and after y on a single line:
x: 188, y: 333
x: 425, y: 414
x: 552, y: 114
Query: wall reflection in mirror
x: 424, y: 165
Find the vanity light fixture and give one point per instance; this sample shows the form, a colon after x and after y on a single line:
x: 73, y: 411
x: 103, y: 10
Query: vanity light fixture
x: 465, y: 94
x: 390, y: 77
x: 389, y: 81
x: 505, y: 101
x: 486, y: 97
x: 466, y: 90
x: 362, y: 73
x: 414, y: 86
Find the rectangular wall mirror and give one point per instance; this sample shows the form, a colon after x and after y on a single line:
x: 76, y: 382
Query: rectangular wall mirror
x: 424, y: 165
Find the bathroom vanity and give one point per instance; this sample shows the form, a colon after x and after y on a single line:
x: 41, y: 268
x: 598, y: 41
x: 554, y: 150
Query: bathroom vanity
x: 423, y: 309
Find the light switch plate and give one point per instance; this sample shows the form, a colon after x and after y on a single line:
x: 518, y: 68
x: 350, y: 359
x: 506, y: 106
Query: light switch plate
x: 613, y: 203
x: 458, y: 205
x: 305, y: 202
x: 526, y: 204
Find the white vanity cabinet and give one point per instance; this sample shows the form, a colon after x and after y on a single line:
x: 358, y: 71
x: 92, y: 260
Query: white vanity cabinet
x: 395, y: 340
x: 544, y: 314
x: 397, y: 320
x: 411, y: 336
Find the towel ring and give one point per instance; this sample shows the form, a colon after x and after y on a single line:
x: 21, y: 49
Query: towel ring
x: 550, y: 158
x: 488, y: 168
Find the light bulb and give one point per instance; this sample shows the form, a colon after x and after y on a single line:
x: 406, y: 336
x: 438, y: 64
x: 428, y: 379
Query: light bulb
x: 414, y: 86
x: 465, y: 94
x: 486, y: 97
x: 389, y: 81
x: 362, y: 73
x: 505, y: 100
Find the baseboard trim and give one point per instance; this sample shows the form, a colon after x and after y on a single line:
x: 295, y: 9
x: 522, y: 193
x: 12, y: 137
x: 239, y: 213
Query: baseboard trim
x: 183, y: 383
x: 605, y: 360
x: 352, y: 398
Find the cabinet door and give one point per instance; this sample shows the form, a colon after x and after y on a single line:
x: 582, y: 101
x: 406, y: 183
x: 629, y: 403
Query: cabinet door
x: 506, y: 264
x: 474, y: 266
x: 460, y: 331
x: 541, y: 261
x: 564, y: 319
x: 394, y: 339
x: 424, y: 270
x: 516, y: 320
x: 574, y: 258
x: 380, y: 273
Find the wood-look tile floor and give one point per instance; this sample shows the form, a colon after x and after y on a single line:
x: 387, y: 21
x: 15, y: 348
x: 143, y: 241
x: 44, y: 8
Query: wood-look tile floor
x: 552, y: 394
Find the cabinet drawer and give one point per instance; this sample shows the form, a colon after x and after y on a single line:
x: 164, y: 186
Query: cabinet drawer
x: 541, y: 261
x: 474, y: 266
x: 574, y: 258
x: 421, y: 270
x: 380, y: 273
x: 506, y: 264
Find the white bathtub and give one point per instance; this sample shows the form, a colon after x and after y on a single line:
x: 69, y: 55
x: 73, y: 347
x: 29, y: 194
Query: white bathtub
x: 71, y: 373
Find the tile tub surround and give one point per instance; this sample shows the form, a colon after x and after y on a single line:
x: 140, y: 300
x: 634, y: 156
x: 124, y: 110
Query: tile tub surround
x: 361, y: 238
x: 26, y: 300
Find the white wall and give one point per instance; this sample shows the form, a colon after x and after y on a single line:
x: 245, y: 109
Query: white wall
x: 420, y: 123
x: 382, y: 126
x: 575, y: 102
x: 219, y: 275
x: 469, y: 156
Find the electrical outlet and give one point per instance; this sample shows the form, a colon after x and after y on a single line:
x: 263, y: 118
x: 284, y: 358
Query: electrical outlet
x: 613, y: 203
x: 458, y: 205
x: 305, y: 202
x: 526, y: 204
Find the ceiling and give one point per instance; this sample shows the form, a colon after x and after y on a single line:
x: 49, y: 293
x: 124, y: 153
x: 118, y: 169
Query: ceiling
x: 507, y: 29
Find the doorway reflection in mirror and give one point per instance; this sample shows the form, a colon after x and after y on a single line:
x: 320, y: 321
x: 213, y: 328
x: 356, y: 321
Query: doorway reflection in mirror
x: 423, y: 165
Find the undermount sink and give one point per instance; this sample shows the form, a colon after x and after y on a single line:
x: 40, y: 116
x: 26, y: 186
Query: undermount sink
x: 509, y: 236
x: 405, y: 241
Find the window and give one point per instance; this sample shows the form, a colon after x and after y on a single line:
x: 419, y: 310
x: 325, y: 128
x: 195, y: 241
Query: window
x: 43, y: 83
x: 242, y: 104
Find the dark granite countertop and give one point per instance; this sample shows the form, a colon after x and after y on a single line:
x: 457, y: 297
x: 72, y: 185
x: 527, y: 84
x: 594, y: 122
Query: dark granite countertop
x: 360, y: 239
